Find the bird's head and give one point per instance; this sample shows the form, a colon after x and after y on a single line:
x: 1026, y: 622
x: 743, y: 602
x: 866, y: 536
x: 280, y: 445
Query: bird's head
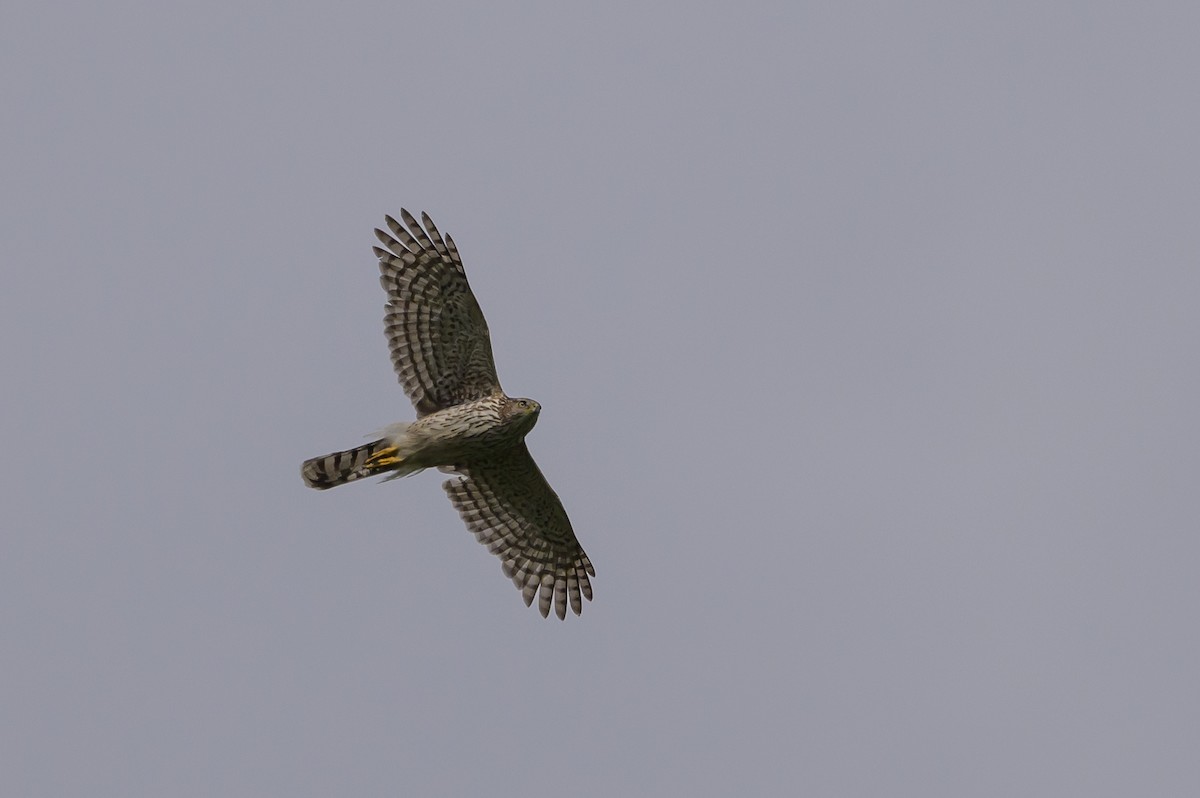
x: 522, y: 413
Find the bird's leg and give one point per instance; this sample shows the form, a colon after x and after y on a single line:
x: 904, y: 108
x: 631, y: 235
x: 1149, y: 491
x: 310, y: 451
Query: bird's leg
x: 384, y: 458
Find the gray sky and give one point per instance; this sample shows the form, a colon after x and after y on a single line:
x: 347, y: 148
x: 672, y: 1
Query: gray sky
x: 866, y: 336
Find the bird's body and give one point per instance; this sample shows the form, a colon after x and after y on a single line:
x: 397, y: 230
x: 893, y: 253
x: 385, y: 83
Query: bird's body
x: 465, y: 424
x: 441, y: 439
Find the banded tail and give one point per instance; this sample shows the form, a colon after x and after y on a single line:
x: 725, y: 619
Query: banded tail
x: 338, y: 468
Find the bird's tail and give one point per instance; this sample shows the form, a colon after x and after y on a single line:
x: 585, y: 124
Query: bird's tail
x: 331, y: 470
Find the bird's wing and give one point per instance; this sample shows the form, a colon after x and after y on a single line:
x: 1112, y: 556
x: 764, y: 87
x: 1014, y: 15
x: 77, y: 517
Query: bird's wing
x: 439, y: 340
x: 508, y: 505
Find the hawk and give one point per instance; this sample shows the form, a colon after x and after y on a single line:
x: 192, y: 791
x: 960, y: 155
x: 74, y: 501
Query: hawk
x: 466, y: 425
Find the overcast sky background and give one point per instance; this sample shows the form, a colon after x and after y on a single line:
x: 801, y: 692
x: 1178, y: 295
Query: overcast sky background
x: 866, y: 335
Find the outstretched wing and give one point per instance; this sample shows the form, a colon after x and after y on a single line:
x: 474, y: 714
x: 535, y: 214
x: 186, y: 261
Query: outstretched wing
x: 508, y: 505
x: 439, y: 341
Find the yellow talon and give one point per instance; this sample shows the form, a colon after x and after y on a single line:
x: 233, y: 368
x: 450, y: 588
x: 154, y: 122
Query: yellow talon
x: 384, y: 458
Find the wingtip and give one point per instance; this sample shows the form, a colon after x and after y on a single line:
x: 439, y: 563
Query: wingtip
x: 408, y: 218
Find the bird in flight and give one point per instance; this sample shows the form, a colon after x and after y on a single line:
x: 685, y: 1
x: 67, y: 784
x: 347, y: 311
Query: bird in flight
x: 466, y: 425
